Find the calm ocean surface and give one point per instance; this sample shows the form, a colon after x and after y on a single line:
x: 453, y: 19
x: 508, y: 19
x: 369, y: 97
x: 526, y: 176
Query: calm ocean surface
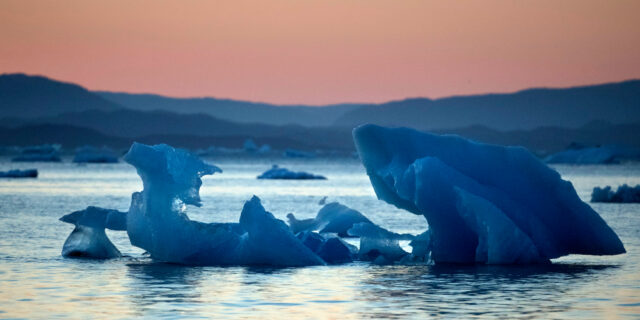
x: 36, y: 282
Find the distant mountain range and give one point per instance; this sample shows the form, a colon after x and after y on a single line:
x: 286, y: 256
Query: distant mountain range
x: 234, y: 110
x: 23, y: 96
x: 616, y: 103
x: 572, y: 107
x: 32, y: 108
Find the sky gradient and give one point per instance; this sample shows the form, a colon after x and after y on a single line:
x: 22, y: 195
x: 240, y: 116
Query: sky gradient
x: 321, y: 52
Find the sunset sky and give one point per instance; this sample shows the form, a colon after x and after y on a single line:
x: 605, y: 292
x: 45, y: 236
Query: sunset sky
x: 321, y: 52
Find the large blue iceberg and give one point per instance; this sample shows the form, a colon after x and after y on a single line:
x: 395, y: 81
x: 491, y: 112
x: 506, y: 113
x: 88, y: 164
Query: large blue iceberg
x: 483, y: 203
x: 157, y: 219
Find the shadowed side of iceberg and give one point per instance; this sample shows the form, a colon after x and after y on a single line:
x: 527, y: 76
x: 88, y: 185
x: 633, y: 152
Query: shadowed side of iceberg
x: 473, y: 194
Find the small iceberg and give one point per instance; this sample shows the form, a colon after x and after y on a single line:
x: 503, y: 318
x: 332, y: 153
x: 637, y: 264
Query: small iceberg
x: 624, y: 194
x: 42, y: 153
x: 293, y: 153
x: 332, y: 218
x: 281, y: 173
x: 484, y: 203
x: 91, y: 154
x: 249, y: 146
x: 88, y: 239
x: 28, y: 173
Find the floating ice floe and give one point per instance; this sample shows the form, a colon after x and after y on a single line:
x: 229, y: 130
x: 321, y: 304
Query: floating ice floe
x: 91, y: 154
x: 27, y: 173
x: 88, y: 239
x: 282, y: 173
x: 332, y: 218
x: 42, y: 153
x: 483, y: 203
x: 624, y: 194
x: 249, y: 146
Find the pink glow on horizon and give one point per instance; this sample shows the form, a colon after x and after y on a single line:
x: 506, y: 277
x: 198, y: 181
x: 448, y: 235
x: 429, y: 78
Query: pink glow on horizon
x: 290, y: 51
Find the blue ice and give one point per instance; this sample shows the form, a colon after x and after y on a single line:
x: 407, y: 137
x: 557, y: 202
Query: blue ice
x: 332, y: 218
x: 478, y: 198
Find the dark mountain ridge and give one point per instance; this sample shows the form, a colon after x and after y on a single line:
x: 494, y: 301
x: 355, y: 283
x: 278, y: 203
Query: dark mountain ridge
x: 233, y: 110
x: 616, y: 103
x: 25, y: 96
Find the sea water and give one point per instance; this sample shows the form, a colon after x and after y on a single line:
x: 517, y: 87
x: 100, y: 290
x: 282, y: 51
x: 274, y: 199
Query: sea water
x: 37, y: 282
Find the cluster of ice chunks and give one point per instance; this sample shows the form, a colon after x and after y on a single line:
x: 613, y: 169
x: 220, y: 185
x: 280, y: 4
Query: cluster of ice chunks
x: 285, y: 174
x: 624, y: 194
x: 332, y: 218
x: 483, y: 203
x: 42, y: 153
x: 157, y: 222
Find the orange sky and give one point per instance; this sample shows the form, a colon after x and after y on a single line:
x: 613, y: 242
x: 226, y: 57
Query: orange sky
x: 319, y: 52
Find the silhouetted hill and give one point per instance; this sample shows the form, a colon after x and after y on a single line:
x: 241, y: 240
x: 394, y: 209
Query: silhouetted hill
x: 544, y: 120
x: 233, y: 110
x: 541, y: 141
x: 71, y: 137
x: 133, y: 124
x: 35, y: 96
x: 545, y: 140
x: 68, y: 136
x: 27, y: 97
x: 570, y: 108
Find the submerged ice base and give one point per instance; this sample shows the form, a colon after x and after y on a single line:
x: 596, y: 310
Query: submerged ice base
x: 483, y: 203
